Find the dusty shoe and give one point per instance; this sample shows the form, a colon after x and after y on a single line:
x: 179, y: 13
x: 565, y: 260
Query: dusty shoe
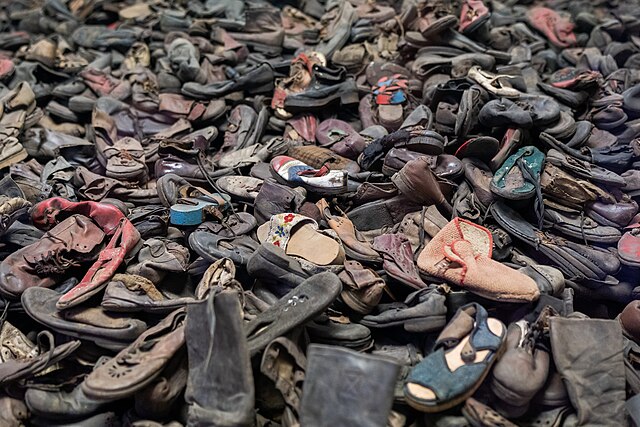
x: 220, y: 389
x: 362, y: 288
x: 11, y: 151
x: 138, y: 364
x: 61, y: 405
x: 522, y: 359
x: 335, y: 368
x: 125, y: 160
x: 75, y: 240
x: 461, y: 253
x: 11, y: 208
x: 582, y: 350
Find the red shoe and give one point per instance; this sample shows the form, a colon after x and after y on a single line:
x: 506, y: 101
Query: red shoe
x: 124, y: 238
x: 558, y: 30
x: 472, y: 15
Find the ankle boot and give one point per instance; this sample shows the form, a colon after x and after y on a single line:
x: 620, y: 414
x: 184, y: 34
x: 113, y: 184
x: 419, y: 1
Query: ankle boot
x: 588, y: 354
x: 336, y: 383
x: 220, y: 390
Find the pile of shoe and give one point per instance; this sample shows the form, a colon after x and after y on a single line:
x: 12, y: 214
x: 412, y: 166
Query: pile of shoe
x: 241, y: 213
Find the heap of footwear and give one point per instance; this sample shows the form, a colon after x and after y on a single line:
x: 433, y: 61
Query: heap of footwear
x: 240, y: 213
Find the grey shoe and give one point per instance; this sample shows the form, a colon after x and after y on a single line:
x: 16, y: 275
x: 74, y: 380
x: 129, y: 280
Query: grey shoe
x: 220, y: 391
x: 270, y: 264
x: 60, y: 405
x: 302, y: 304
x: 422, y: 311
x: 588, y: 354
x: 340, y: 388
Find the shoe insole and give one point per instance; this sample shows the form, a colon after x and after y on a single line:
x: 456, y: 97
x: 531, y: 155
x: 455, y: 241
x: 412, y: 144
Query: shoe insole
x: 453, y: 358
x: 306, y: 242
x: 479, y: 238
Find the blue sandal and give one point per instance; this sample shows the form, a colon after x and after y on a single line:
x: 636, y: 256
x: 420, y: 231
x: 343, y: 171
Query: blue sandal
x: 464, y: 353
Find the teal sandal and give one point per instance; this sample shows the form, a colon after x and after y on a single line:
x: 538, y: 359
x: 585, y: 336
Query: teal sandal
x: 464, y: 353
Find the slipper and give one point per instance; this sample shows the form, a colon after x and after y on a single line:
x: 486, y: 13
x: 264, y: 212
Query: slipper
x: 298, y: 235
x: 493, y: 82
x: 464, y: 353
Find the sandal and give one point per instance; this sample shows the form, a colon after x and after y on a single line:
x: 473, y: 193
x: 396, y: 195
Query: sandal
x: 464, y: 353
x: 492, y: 82
x: 298, y: 235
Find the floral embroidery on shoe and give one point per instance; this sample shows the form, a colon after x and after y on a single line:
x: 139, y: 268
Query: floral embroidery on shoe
x: 280, y: 227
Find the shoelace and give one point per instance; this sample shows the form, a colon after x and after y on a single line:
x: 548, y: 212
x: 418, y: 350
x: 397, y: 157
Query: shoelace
x: 582, y: 219
x: 5, y: 312
x: 51, y: 344
x: 54, y: 263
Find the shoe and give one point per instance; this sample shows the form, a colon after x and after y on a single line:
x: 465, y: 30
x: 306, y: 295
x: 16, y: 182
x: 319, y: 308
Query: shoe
x: 461, y: 254
x: 317, y: 411
x: 297, y: 307
x: 290, y: 171
x: 138, y: 364
x: 44, y: 263
x: 422, y: 311
x: 219, y: 389
x: 438, y: 382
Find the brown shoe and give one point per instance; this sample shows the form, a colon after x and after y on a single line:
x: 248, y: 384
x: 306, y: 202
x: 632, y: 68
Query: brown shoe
x: 569, y: 190
x: 317, y: 157
x: 417, y: 182
x: 137, y: 365
x: 11, y: 151
x: 68, y: 244
x: 355, y: 245
x: 362, y: 288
